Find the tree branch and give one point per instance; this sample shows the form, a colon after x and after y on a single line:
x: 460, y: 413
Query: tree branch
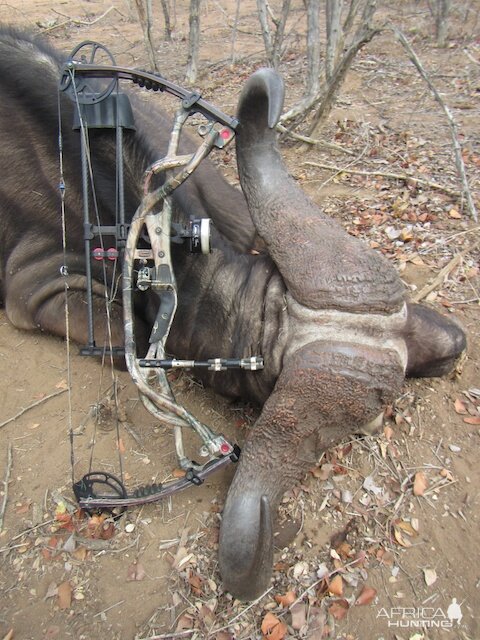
x: 448, y: 114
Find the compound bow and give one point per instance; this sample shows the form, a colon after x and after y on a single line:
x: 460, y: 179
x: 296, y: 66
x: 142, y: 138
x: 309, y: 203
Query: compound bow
x: 102, y: 105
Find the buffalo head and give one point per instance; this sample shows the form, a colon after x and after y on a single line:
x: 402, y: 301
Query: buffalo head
x: 347, y: 340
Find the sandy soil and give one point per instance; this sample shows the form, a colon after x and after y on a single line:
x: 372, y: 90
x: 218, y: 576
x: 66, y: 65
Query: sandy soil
x: 158, y: 573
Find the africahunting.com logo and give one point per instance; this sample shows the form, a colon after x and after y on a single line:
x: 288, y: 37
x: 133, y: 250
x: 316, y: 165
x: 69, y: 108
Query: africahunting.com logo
x: 422, y: 617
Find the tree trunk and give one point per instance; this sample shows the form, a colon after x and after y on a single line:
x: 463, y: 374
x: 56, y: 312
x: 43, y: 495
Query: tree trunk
x: 266, y: 35
x: 234, y: 33
x: 441, y: 21
x: 166, y: 17
x: 334, y: 35
x: 193, y: 42
x: 313, y: 46
x: 144, y: 9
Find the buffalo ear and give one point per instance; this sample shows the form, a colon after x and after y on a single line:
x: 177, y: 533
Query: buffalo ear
x: 434, y: 342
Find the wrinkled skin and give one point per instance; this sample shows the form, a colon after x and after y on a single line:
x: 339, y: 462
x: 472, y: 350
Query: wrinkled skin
x: 328, y: 314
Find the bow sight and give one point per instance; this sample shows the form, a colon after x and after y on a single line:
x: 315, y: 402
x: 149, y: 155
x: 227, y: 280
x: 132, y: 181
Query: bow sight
x: 91, y: 78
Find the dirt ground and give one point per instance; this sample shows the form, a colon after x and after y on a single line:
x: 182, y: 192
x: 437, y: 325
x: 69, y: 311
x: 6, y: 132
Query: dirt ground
x: 392, y: 521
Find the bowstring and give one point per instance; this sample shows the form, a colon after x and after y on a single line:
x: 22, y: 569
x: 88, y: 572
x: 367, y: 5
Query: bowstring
x: 109, y: 296
x: 64, y: 273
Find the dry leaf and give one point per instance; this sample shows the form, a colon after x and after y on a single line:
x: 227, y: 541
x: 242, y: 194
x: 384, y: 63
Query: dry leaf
x: 472, y: 420
x: 460, y: 406
x: 403, y: 542
x: 430, y: 576
x: 121, y: 446
x: 446, y: 473
x: 367, y: 596
x: 135, y: 572
x: 80, y: 553
x: 195, y: 582
x: 9, y: 635
x: 184, y: 622
x: 323, y: 472
x: 388, y: 432
x: 207, y: 616
x: 223, y: 635
x: 420, y: 484
x: 286, y: 600
x: 52, y: 591
x: 61, y: 385
x: 407, y: 528
x: 299, y: 615
x: 456, y: 215
x: 64, y: 595
x: 273, y: 628
x: 336, y: 585
x: 338, y: 609
x: 178, y: 473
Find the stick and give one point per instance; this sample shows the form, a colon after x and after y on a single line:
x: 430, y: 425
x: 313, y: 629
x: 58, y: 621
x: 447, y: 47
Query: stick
x: 31, y: 406
x: 5, y: 484
x: 386, y: 174
x: 108, y: 608
x: 239, y: 615
x: 171, y: 636
x: 451, y: 122
x: 438, y: 280
x: 313, y: 141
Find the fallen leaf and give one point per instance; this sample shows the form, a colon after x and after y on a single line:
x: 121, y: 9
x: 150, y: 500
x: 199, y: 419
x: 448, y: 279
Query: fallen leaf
x: 195, y: 582
x: 286, y: 600
x: 460, y: 406
x: 407, y: 528
x: 430, y: 576
x: 323, y: 472
x: 178, y: 473
x: 420, y: 484
x: 336, y: 585
x: 367, y: 596
x: 224, y: 635
x: 446, y: 473
x: 52, y: 591
x: 456, y: 215
x: 9, y: 635
x: 207, y: 616
x: 338, y: 609
x: 403, y: 542
x: 299, y: 615
x: 273, y: 628
x: 184, y: 622
x: 80, y: 553
x: 61, y: 385
x: 472, y: 420
x: 388, y: 432
x: 135, y: 572
x: 64, y: 595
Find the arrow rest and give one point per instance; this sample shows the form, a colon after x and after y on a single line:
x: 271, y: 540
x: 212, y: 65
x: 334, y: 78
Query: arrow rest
x: 94, y: 90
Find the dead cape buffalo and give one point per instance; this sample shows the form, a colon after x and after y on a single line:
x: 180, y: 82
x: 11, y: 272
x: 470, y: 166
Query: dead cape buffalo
x: 328, y: 314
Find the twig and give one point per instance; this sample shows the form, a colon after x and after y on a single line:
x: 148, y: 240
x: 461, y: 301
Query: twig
x: 438, y: 280
x: 171, y: 636
x: 31, y: 406
x: 313, y: 141
x: 6, y: 480
x: 88, y: 23
x: 451, y: 122
x: 386, y: 174
x: 239, y: 615
x: 108, y: 608
x: 327, y: 575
